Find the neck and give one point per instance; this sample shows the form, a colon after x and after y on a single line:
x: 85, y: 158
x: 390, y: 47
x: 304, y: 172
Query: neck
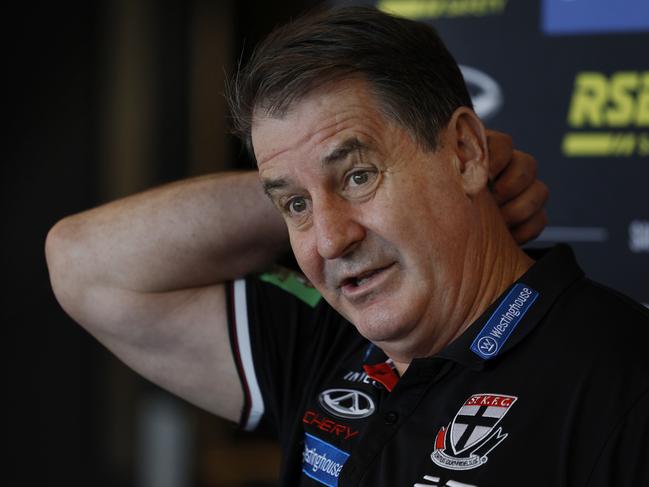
x: 498, y: 264
x: 492, y: 262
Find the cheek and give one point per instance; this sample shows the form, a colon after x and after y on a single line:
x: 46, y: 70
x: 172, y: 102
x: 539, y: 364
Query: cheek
x: 424, y: 224
x: 307, y: 256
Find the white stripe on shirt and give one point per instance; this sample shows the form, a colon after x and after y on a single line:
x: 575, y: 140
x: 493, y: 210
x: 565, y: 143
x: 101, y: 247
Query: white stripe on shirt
x: 245, y: 353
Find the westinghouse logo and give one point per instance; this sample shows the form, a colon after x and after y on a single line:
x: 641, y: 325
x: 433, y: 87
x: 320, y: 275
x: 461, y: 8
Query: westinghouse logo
x: 322, y: 461
x: 607, y: 115
x: 513, y: 311
x: 503, y: 321
x: 435, y: 9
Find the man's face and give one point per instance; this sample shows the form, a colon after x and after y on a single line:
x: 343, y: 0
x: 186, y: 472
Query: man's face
x: 377, y: 224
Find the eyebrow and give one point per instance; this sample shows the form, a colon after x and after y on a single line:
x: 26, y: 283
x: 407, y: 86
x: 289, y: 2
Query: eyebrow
x: 271, y: 185
x: 339, y: 153
x: 343, y: 150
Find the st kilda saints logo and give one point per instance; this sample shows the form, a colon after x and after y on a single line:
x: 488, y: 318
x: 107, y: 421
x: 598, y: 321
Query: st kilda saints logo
x: 465, y: 443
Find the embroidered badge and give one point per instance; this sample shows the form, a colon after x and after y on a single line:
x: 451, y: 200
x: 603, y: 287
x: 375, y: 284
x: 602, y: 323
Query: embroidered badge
x: 503, y: 321
x: 465, y: 443
x: 322, y: 461
x: 347, y: 403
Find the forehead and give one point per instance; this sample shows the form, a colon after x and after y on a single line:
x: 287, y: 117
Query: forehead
x: 319, y: 122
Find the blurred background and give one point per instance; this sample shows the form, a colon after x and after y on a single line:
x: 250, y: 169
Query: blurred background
x: 109, y: 97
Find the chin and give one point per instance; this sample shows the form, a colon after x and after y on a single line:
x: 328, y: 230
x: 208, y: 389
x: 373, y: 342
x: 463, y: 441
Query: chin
x: 384, y: 326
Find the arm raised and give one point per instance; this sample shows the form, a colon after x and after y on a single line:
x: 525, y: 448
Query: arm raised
x: 144, y: 275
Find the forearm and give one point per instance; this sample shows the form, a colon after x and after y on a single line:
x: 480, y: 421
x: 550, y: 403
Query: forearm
x: 187, y: 234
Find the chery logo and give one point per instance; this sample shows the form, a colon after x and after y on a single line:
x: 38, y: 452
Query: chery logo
x: 347, y: 403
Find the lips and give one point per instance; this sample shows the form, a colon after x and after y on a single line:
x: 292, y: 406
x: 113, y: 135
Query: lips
x: 364, y: 281
x: 361, y: 278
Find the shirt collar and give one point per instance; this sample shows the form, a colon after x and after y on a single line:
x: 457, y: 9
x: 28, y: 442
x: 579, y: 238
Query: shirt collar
x: 553, y: 272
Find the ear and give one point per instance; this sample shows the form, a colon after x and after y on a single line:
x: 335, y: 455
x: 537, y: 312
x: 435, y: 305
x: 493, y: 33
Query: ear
x: 469, y: 145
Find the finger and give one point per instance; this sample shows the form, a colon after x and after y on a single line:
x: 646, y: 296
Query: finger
x: 516, y: 178
x: 530, y: 229
x: 499, y: 146
x: 525, y: 205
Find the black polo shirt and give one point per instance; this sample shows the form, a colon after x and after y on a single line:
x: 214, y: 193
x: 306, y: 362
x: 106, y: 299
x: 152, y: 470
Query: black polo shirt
x: 549, y: 387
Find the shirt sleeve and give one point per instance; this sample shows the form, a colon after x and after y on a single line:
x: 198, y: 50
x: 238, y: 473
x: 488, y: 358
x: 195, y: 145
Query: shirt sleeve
x: 279, y: 328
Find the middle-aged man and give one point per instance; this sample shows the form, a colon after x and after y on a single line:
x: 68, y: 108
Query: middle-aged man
x: 442, y: 354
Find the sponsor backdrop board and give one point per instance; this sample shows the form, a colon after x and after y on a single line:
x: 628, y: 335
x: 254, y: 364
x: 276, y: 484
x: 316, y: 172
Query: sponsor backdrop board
x: 569, y: 79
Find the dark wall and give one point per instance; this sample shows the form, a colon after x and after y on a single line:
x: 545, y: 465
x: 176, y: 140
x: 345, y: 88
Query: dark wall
x: 57, y: 386
x: 47, y: 172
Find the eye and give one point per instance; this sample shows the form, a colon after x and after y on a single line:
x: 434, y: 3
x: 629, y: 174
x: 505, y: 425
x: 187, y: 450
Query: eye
x: 359, y: 178
x: 296, y: 205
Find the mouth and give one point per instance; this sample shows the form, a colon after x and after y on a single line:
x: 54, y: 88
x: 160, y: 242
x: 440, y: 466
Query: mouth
x: 366, y: 281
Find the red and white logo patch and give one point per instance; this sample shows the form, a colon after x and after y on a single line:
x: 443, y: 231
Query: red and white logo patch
x: 472, y: 434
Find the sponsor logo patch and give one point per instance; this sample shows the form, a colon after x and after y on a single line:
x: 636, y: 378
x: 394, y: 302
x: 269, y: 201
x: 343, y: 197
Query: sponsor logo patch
x: 360, y: 377
x: 465, y: 443
x: 503, y: 321
x: 328, y: 425
x: 347, y: 403
x: 322, y: 461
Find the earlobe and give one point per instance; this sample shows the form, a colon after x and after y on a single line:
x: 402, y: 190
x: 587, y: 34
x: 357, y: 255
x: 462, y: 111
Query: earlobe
x: 470, y: 148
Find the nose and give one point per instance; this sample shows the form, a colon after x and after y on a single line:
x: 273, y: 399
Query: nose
x: 337, y: 229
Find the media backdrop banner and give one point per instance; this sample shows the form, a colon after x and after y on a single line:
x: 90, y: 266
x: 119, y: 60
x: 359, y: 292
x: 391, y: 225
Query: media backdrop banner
x: 569, y: 80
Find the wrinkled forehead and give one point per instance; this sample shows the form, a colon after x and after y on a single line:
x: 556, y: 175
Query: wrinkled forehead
x: 338, y: 110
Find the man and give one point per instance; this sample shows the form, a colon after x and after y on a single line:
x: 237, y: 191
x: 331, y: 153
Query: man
x: 441, y: 355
